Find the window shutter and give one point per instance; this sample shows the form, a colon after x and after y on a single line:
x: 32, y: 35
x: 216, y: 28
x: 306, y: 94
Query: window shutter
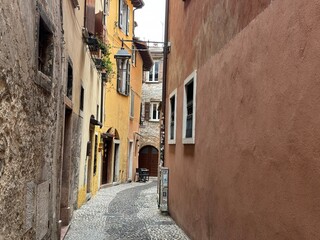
x: 119, y: 81
x: 90, y: 16
x: 146, y: 111
x: 99, y: 24
x: 128, y: 20
x: 128, y: 80
x: 120, y: 13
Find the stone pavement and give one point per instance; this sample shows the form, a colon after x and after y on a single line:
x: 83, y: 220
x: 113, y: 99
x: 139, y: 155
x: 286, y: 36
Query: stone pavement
x: 123, y: 212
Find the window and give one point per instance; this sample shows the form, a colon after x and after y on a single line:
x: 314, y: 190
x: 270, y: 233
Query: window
x: 95, y: 154
x: 132, y: 104
x: 69, y: 80
x: 172, y: 117
x: 123, y: 78
x: 154, y: 111
x: 153, y: 74
x: 189, y: 107
x: 124, y: 16
x: 81, y: 98
x: 141, y: 122
x: 45, y: 48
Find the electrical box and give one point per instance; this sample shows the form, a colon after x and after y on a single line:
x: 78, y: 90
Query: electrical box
x: 164, y: 184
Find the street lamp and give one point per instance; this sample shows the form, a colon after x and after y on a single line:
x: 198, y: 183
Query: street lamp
x: 122, y: 55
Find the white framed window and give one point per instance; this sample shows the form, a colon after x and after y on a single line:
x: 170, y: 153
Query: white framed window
x: 154, y: 111
x: 124, y: 16
x: 172, y: 117
x: 153, y: 74
x: 189, y: 109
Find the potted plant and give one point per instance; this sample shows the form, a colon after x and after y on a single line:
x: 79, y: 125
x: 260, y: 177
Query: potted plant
x: 93, y: 43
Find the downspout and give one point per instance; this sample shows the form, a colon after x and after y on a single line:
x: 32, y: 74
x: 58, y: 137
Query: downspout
x: 164, y: 91
x: 164, y: 80
x: 101, y: 101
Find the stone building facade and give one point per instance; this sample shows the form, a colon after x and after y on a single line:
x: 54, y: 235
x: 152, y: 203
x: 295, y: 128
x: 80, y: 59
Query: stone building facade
x: 242, y: 118
x: 150, y: 111
x: 31, y: 118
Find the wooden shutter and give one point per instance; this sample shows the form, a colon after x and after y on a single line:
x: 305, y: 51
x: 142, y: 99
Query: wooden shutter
x: 146, y: 111
x: 90, y: 16
x: 118, y: 81
x: 99, y: 24
x: 128, y: 79
x: 120, y: 13
x: 128, y: 20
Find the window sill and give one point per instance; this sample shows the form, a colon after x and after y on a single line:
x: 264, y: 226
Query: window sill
x: 153, y: 82
x: 43, y: 81
x: 188, y: 140
x: 68, y: 102
x: 123, y: 94
x: 154, y: 120
x: 172, y: 142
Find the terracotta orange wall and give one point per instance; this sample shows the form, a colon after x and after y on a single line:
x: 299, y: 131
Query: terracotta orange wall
x: 255, y: 168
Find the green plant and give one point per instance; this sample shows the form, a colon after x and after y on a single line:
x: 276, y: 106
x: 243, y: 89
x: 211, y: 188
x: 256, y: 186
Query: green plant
x: 106, y: 64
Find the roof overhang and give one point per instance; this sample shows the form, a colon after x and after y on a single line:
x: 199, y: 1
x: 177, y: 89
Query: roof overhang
x: 145, y: 54
x: 137, y: 3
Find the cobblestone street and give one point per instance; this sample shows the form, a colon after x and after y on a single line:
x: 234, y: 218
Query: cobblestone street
x: 126, y: 211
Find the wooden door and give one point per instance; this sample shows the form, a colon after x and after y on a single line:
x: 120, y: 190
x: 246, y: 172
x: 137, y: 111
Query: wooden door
x: 148, y: 158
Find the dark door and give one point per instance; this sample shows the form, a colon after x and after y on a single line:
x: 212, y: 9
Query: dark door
x: 105, y: 162
x: 148, y: 158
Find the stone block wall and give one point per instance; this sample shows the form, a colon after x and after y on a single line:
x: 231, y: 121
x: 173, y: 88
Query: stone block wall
x: 150, y: 130
x: 30, y: 121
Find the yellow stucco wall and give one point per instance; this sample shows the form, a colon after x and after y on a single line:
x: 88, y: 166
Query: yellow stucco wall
x: 117, y: 106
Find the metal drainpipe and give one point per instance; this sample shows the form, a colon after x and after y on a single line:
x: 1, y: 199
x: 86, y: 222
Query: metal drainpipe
x: 101, y: 101
x: 165, y: 67
x: 164, y: 91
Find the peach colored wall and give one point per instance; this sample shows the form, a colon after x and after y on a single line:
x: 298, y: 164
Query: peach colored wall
x: 255, y: 168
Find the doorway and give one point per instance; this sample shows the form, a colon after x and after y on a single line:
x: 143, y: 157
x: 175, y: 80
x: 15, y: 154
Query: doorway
x: 89, y: 159
x: 66, y: 169
x: 148, y: 158
x: 130, y: 160
x: 106, y: 161
x: 116, y: 161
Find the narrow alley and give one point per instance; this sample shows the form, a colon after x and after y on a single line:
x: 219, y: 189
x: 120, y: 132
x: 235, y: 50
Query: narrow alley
x: 125, y: 211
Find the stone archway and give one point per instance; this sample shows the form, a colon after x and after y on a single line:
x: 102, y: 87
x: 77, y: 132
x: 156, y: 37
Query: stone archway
x: 148, y: 158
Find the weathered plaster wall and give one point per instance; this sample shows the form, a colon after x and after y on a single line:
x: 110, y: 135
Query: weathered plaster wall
x: 254, y: 170
x: 30, y: 123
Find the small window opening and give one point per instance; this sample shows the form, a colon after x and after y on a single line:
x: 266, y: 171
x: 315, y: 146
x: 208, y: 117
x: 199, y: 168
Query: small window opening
x: 81, y: 98
x: 172, y: 117
x: 189, y: 118
x: 45, y: 51
x: 69, y: 81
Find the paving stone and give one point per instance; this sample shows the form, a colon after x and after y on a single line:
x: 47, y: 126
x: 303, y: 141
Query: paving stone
x: 124, y: 212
